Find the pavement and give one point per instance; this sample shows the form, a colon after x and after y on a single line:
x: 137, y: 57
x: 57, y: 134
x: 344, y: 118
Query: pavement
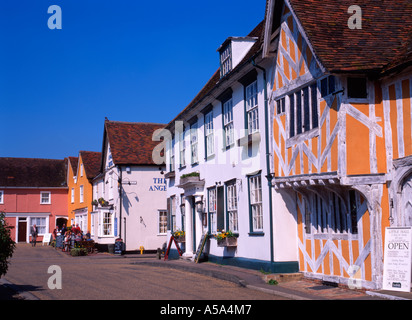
x: 289, y: 286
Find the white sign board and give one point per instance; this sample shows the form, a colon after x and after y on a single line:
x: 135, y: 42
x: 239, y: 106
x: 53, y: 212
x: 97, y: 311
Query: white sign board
x: 397, y: 259
x: 47, y: 238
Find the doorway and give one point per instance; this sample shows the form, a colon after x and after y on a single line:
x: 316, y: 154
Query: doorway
x: 22, y: 231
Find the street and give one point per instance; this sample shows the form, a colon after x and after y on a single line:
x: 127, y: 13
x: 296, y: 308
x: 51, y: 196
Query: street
x: 105, y: 277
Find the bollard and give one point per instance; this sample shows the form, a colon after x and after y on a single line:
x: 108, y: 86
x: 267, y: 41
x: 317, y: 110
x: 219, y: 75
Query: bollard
x: 141, y: 249
x: 159, y: 253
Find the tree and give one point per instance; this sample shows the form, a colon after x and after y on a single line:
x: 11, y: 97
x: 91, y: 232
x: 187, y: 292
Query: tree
x: 7, y: 245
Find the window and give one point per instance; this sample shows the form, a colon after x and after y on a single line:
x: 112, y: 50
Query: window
x: 337, y: 215
x: 45, y: 197
x: 357, y: 88
x: 280, y: 106
x: 209, y: 136
x: 225, y: 60
x: 252, y: 110
x: 182, y: 204
x: 228, y: 122
x: 81, y: 170
x: 40, y: 223
x: 172, y: 155
x: 303, y: 110
x: 327, y: 86
x: 106, y: 224
x: 172, y: 207
x: 81, y: 194
x: 255, y: 198
x: 193, y: 144
x: 182, y: 148
x: 162, y: 222
x: 72, y: 195
x: 1, y: 196
x: 212, y: 210
x: 231, y: 195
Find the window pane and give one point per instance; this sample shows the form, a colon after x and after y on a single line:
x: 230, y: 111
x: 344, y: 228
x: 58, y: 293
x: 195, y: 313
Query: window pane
x: 306, y: 112
x: 314, y: 102
x: 292, y: 116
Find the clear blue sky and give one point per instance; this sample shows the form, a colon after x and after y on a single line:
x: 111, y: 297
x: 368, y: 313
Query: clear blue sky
x: 130, y: 60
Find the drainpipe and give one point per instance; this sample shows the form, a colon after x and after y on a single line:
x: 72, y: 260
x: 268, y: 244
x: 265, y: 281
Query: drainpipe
x: 268, y: 176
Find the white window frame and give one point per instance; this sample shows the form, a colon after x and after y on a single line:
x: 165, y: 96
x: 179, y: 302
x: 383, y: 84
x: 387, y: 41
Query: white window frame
x: 1, y: 197
x: 81, y: 194
x: 106, y: 218
x: 162, y: 222
x: 226, y: 60
x: 252, y: 107
x: 209, y: 134
x: 212, y: 205
x: 255, y: 196
x: 172, y: 155
x: 182, y: 148
x: 228, y: 123
x: 41, y: 197
x: 231, y: 194
x: 81, y: 170
x: 72, y: 195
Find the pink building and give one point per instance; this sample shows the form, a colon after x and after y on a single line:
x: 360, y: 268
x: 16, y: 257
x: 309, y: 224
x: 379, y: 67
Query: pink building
x: 33, y: 191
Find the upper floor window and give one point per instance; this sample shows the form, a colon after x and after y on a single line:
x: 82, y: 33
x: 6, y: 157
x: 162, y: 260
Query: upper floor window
x: 193, y: 143
x: 228, y: 122
x: 45, y: 197
x: 172, y: 154
x: 81, y: 194
x: 209, y: 135
x: 72, y: 195
x: 327, y: 86
x: 1, y: 196
x: 303, y: 110
x: 81, y: 170
x: 182, y: 148
x: 225, y: 60
x: 252, y: 107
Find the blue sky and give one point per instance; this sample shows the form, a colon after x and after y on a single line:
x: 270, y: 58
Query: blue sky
x: 125, y: 60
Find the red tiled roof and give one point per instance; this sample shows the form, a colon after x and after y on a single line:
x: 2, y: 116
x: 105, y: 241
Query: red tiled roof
x: 382, y: 41
x: 91, y: 163
x: 131, y: 142
x: 27, y: 172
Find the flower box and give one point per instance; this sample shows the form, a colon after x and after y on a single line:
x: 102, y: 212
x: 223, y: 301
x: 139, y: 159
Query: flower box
x: 227, y: 242
x: 180, y: 239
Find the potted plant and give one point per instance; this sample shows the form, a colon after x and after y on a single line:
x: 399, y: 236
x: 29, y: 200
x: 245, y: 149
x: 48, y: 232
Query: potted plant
x: 103, y: 202
x: 226, y: 239
x: 179, y: 235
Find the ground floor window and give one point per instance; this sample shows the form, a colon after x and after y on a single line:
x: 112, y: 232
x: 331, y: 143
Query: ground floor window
x: 231, y: 194
x: 212, y: 210
x: 106, y: 223
x: 255, y: 200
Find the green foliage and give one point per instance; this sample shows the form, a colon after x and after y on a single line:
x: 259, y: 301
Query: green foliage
x: 7, y: 245
x: 192, y: 174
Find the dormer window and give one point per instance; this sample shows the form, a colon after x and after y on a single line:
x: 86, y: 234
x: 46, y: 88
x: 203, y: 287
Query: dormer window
x: 225, y: 60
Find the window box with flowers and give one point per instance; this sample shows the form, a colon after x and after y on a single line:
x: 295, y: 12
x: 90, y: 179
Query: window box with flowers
x: 179, y: 235
x: 226, y: 239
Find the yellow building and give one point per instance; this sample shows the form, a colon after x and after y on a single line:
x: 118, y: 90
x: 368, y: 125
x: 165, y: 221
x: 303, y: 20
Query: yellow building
x: 80, y: 172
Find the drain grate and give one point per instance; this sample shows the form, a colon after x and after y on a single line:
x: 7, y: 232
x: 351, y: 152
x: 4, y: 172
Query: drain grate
x: 318, y: 288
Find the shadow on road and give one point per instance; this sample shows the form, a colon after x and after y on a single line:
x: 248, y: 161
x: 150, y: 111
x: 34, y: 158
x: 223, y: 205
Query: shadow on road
x: 11, y: 292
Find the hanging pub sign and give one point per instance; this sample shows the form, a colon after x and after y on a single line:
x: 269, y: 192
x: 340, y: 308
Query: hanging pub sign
x: 397, y: 259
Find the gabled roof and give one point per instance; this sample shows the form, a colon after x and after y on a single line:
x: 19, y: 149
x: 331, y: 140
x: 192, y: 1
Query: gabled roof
x: 383, y: 42
x: 131, y: 142
x: 91, y: 163
x: 32, y: 173
x: 73, y: 161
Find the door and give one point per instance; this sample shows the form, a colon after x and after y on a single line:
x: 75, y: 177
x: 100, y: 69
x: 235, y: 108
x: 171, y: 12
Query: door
x: 22, y: 233
x: 220, y: 208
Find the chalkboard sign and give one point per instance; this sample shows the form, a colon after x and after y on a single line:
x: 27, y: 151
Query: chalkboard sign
x: 118, y: 246
x: 201, y: 247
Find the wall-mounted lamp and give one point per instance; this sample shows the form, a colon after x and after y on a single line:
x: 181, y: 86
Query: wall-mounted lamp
x: 182, y: 209
x: 199, y: 204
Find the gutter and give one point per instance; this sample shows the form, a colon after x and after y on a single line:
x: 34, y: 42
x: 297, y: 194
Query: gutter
x: 269, y: 177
